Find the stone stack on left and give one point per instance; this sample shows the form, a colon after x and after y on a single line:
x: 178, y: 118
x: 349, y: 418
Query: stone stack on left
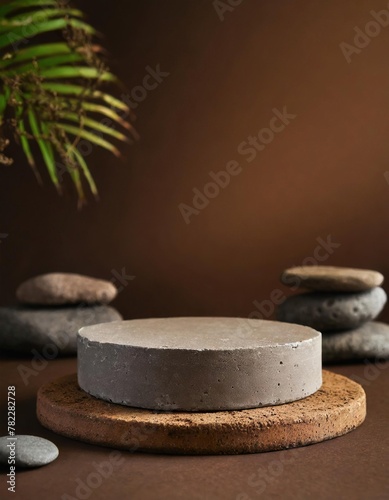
x: 53, y: 307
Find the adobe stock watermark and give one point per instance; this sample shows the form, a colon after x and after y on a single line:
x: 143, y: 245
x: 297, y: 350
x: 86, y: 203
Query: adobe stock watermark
x: 121, y: 279
x: 51, y: 350
x: 102, y: 470
x: 372, y: 370
x: 132, y: 440
x: 249, y: 149
x: 363, y: 37
x: 265, y: 309
x: 223, y: 6
x: 152, y: 78
x: 260, y: 480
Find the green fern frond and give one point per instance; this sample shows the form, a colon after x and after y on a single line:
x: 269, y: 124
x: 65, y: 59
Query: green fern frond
x: 50, y: 94
x: 78, y: 90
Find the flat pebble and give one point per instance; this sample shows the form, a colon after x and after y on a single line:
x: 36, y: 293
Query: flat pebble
x: 332, y: 279
x: 65, y: 288
x: 28, y: 451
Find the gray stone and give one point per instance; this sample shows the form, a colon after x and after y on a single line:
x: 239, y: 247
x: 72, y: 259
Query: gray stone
x: 28, y: 451
x: 199, y: 364
x: 332, y: 311
x: 332, y: 279
x: 52, y: 329
x: 370, y: 340
x: 65, y: 288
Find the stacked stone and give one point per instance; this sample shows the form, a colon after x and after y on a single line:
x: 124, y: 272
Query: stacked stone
x: 342, y: 304
x: 53, y: 307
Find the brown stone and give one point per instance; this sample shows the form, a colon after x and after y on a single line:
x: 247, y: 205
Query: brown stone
x: 338, y: 407
x: 65, y: 288
x: 332, y: 279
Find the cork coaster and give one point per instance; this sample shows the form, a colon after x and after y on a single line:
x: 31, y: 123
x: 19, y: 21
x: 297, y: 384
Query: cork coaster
x: 338, y: 407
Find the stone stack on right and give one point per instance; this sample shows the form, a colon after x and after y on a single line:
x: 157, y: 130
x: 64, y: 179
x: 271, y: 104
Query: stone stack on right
x: 342, y: 303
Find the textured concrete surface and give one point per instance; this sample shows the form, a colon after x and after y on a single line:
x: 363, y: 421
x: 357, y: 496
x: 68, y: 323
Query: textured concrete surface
x: 199, y: 364
x: 331, y: 278
x: 337, y: 408
x: 65, y: 288
x: 332, y: 311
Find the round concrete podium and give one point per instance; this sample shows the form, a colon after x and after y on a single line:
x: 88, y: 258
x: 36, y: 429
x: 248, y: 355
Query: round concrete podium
x: 199, y: 364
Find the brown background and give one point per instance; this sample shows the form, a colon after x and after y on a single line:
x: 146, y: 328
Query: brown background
x: 323, y: 175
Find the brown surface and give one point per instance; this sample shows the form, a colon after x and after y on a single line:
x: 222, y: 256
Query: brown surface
x: 353, y: 466
x: 338, y: 407
x: 323, y: 175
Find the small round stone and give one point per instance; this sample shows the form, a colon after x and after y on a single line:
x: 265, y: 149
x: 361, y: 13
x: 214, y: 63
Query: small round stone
x: 28, y: 451
x: 199, y: 364
x: 332, y: 279
x: 332, y: 311
x: 65, y: 288
x: 369, y: 341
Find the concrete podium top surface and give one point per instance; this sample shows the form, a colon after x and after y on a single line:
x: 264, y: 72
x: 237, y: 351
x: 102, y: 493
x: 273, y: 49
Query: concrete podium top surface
x: 198, y: 333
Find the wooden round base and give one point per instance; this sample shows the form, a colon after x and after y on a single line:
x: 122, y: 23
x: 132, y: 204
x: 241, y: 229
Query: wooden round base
x: 335, y: 409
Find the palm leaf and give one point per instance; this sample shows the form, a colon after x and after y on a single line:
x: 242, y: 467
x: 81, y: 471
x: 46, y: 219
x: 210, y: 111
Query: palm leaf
x: 91, y: 137
x: 52, y: 89
x: 78, y: 90
x: 25, y: 144
x: 75, y: 174
x: 77, y: 72
x: 17, y: 34
x: 4, y: 100
x: 46, y: 62
x: 40, y: 15
x: 77, y: 157
x: 22, y: 4
x: 108, y: 112
x: 89, y: 122
x: 35, y: 52
x: 22, y: 132
x: 45, y: 147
